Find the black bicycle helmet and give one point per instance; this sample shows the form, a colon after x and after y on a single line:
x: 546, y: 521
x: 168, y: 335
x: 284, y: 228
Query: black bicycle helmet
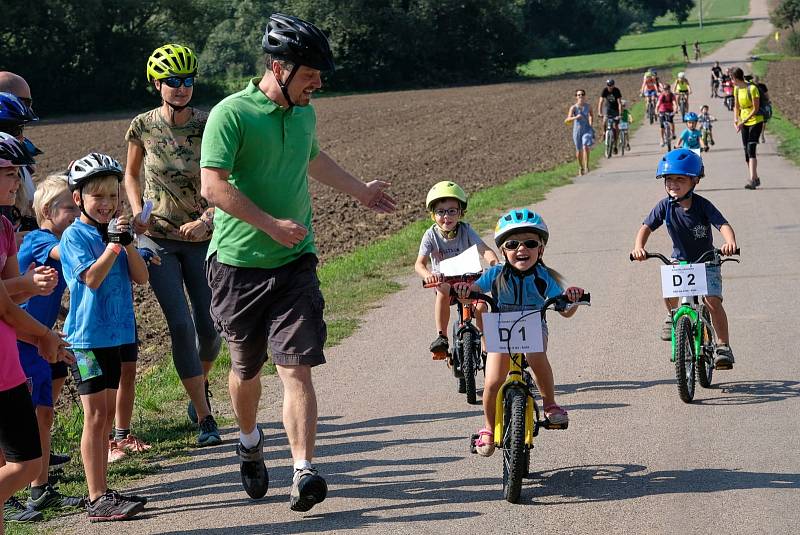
x: 610, y: 82
x: 13, y: 153
x: 300, y: 42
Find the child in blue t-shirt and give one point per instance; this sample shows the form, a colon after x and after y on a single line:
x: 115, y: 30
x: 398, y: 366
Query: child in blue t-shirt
x: 55, y: 211
x: 689, y: 218
x: 99, y: 262
x: 523, y: 282
x: 691, y: 138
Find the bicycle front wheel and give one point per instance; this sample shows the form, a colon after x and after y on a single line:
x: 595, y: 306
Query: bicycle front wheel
x: 705, y: 364
x: 514, y: 458
x: 468, y: 364
x: 623, y: 140
x: 609, y: 143
x: 684, y: 359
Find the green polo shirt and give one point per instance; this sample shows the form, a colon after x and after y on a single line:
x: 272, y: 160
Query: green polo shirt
x: 267, y: 150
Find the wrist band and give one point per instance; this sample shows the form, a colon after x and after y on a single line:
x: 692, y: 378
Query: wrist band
x: 117, y: 248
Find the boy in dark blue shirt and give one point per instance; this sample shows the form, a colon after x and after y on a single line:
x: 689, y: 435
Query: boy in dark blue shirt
x: 688, y: 219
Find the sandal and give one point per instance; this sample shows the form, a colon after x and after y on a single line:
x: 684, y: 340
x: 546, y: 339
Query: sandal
x: 555, y: 414
x: 484, y: 444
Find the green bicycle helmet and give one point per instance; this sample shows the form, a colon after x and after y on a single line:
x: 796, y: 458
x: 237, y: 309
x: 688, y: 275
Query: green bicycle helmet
x: 171, y: 60
x: 520, y: 220
x: 445, y: 190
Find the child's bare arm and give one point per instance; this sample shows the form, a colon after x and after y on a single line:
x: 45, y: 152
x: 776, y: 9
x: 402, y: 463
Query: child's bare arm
x: 729, y: 247
x: 488, y: 255
x: 94, y: 276
x: 421, y: 267
x: 641, y: 240
x: 136, y: 265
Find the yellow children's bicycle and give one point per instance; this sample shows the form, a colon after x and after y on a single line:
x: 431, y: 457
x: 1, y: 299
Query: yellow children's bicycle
x: 517, y: 416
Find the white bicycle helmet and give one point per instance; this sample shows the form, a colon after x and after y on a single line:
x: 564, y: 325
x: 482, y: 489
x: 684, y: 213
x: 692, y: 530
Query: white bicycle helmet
x: 681, y: 75
x: 89, y: 166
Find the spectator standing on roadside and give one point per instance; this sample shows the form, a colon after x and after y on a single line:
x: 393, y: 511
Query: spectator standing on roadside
x: 697, y: 50
x: 166, y: 141
x: 581, y: 117
x: 748, y: 122
x: 259, y: 148
x: 684, y: 52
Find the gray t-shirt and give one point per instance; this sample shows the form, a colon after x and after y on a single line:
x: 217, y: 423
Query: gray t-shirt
x: 437, y: 248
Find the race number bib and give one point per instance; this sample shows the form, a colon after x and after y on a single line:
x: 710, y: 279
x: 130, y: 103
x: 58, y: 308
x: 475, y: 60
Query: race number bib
x: 623, y: 125
x: 518, y: 332
x: 684, y: 280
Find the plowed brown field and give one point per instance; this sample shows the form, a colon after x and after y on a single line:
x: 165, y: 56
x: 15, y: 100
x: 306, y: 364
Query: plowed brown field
x: 479, y: 136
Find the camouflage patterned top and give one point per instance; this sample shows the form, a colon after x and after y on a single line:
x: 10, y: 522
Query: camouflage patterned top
x: 171, y: 170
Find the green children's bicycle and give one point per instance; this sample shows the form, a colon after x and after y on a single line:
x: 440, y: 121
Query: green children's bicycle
x: 693, y: 337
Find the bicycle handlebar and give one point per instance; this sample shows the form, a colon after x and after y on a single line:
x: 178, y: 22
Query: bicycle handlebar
x: 702, y: 258
x: 558, y: 303
x: 466, y: 277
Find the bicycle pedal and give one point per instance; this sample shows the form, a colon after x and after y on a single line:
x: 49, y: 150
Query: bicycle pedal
x: 439, y: 356
x: 547, y: 424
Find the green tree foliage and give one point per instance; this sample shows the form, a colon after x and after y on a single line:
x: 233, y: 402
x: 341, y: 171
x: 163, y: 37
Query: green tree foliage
x: 786, y: 15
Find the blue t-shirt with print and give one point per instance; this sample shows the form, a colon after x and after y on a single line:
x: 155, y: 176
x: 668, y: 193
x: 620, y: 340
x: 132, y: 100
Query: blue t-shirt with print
x: 691, y: 138
x: 513, y: 292
x: 690, y: 229
x: 36, y: 247
x: 97, y: 318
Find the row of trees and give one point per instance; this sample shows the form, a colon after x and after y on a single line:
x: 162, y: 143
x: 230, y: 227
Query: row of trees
x: 89, y: 55
x: 787, y: 17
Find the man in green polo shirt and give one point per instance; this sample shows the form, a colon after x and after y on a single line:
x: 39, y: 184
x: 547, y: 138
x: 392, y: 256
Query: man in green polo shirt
x: 259, y: 147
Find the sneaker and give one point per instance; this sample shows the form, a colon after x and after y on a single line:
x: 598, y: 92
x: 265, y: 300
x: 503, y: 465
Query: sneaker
x: 556, y: 414
x: 209, y: 433
x: 750, y: 185
x: 627, y: 147
x: 666, y: 329
x: 14, y: 511
x: 440, y: 345
x: 52, y: 499
x: 58, y: 460
x: 133, y: 444
x: 308, y: 489
x: 723, y: 360
x: 255, y: 479
x: 115, y: 453
x: 190, y: 410
x: 112, y: 506
x: 663, y: 143
x: 757, y: 181
x: 130, y: 497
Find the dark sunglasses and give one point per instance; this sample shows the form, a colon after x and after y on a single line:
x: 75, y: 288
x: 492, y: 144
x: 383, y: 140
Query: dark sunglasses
x: 512, y: 245
x: 176, y: 81
x: 580, y: 94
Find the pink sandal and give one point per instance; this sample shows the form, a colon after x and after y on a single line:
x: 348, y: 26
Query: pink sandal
x: 556, y: 414
x: 484, y: 444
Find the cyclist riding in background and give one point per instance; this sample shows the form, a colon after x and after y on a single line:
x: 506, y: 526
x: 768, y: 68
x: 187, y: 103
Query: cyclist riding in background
x: 649, y: 87
x: 609, y: 105
x: 682, y: 87
x: 716, y: 79
x: 666, y: 108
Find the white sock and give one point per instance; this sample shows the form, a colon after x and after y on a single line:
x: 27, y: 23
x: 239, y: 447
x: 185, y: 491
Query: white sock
x: 250, y: 440
x: 302, y: 465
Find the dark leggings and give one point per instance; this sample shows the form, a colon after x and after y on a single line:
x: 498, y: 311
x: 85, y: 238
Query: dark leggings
x: 750, y: 137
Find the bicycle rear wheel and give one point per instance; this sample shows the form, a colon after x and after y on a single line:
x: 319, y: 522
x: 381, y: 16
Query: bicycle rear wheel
x: 684, y: 359
x: 468, y: 364
x: 514, y: 462
x: 651, y: 112
x: 705, y: 364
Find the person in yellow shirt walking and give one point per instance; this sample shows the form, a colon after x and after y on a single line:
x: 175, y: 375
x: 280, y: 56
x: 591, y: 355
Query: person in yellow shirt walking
x: 749, y: 121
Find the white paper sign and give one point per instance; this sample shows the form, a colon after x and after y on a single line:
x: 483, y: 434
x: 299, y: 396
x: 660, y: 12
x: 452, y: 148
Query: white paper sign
x: 504, y: 329
x: 683, y: 280
x: 467, y: 262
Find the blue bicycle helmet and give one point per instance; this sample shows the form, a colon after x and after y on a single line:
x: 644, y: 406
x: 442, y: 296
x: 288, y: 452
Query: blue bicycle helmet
x: 680, y: 162
x: 519, y: 220
x: 13, y: 110
x: 691, y: 116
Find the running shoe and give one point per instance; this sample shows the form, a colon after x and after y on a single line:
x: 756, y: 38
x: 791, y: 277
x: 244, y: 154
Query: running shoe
x: 52, y: 499
x: 58, y: 460
x: 255, y: 478
x: 308, y: 489
x: 14, y: 511
x: 723, y: 360
x: 129, y: 497
x: 112, y: 506
x: 192, y: 412
x: 209, y: 432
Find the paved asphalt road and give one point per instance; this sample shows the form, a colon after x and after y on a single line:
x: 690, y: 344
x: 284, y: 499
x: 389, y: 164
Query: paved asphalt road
x: 393, y: 432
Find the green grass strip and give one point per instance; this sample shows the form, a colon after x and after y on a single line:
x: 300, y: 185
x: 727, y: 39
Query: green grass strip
x: 657, y: 48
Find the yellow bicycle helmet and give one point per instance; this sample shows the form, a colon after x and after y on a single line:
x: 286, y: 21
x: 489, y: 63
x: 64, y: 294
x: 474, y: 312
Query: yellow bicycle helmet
x: 445, y: 190
x: 171, y: 60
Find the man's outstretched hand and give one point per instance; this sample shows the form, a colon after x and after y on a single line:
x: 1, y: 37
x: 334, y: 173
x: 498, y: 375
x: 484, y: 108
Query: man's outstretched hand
x: 377, y: 199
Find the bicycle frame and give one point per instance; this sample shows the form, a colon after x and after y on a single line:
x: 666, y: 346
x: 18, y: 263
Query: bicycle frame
x: 692, y: 307
x: 517, y: 378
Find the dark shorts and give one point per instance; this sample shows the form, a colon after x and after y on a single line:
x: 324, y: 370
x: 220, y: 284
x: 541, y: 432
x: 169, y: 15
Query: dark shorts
x: 40, y: 377
x: 110, y: 361
x: 59, y: 370
x: 129, y: 352
x: 278, y: 309
x: 19, y: 430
